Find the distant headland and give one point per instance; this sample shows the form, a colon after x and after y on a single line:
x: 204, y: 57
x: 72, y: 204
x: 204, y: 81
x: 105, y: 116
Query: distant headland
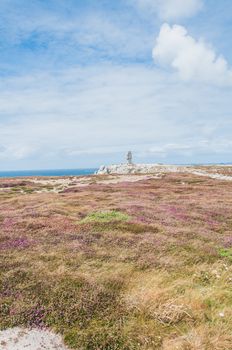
x: 129, y: 167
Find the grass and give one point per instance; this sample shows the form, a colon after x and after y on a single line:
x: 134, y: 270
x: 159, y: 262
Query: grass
x: 106, y: 216
x: 226, y: 253
x: 143, y: 265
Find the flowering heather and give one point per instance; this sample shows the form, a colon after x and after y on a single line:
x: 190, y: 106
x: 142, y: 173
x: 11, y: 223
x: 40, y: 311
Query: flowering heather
x: 127, y: 265
x: 228, y: 242
x: 17, y: 243
x: 36, y: 316
x: 8, y: 224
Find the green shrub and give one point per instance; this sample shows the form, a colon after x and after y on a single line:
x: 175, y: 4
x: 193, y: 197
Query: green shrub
x: 227, y: 253
x: 106, y: 216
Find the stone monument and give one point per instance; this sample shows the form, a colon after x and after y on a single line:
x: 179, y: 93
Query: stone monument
x: 129, y: 158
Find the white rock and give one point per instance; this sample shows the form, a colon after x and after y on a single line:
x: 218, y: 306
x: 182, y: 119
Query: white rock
x: 138, y: 169
x: 30, y: 339
x: 121, y: 169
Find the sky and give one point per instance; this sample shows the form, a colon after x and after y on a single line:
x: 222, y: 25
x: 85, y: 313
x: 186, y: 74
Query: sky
x: 84, y: 81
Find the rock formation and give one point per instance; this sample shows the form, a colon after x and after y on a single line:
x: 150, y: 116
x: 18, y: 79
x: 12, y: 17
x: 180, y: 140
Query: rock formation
x: 139, y: 169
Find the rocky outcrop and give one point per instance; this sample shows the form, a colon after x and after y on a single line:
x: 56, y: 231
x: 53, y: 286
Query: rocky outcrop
x: 122, y: 169
x: 30, y: 339
x: 139, y: 169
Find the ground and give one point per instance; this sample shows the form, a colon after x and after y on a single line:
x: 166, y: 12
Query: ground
x: 119, y: 262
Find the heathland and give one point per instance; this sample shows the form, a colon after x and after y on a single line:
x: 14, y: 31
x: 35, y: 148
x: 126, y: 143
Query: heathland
x: 119, y: 262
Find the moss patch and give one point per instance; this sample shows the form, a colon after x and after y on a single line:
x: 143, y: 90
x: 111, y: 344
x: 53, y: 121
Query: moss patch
x: 227, y: 253
x: 106, y: 216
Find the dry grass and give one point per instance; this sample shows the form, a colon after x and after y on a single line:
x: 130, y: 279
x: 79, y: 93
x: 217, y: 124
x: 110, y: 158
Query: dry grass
x: 139, y: 265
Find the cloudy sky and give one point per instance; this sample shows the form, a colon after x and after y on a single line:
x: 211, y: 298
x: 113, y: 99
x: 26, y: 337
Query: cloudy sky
x: 84, y: 81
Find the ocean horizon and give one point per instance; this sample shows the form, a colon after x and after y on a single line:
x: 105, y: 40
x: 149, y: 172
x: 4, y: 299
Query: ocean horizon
x: 78, y: 172
x: 47, y: 172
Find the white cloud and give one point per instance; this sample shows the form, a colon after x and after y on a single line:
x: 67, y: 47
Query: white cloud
x: 71, y: 94
x: 91, y: 115
x: 171, y: 9
x: 194, y: 60
x: 16, y: 151
x: 81, y: 36
x: 175, y: 9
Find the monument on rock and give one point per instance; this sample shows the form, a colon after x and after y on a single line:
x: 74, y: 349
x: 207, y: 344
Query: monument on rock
x: 129, y: 167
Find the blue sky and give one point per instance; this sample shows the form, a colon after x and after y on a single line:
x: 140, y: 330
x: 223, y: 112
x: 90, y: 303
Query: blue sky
x: 82, y: 82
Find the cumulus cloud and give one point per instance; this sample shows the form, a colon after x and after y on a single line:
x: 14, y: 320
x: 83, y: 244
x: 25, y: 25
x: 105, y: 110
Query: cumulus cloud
x: 171, y: 9
x: 193, y: 59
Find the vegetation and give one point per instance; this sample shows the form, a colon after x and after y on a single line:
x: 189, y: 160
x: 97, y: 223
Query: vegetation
x: 143, y: 265
x: 106, y: 216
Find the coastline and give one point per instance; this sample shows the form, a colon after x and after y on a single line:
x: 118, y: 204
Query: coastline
x: 220, y: 172
x: 46, y: 173
x: 113, y: 174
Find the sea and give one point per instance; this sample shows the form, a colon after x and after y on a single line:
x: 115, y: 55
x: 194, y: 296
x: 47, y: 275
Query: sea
x: 52, y: 172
